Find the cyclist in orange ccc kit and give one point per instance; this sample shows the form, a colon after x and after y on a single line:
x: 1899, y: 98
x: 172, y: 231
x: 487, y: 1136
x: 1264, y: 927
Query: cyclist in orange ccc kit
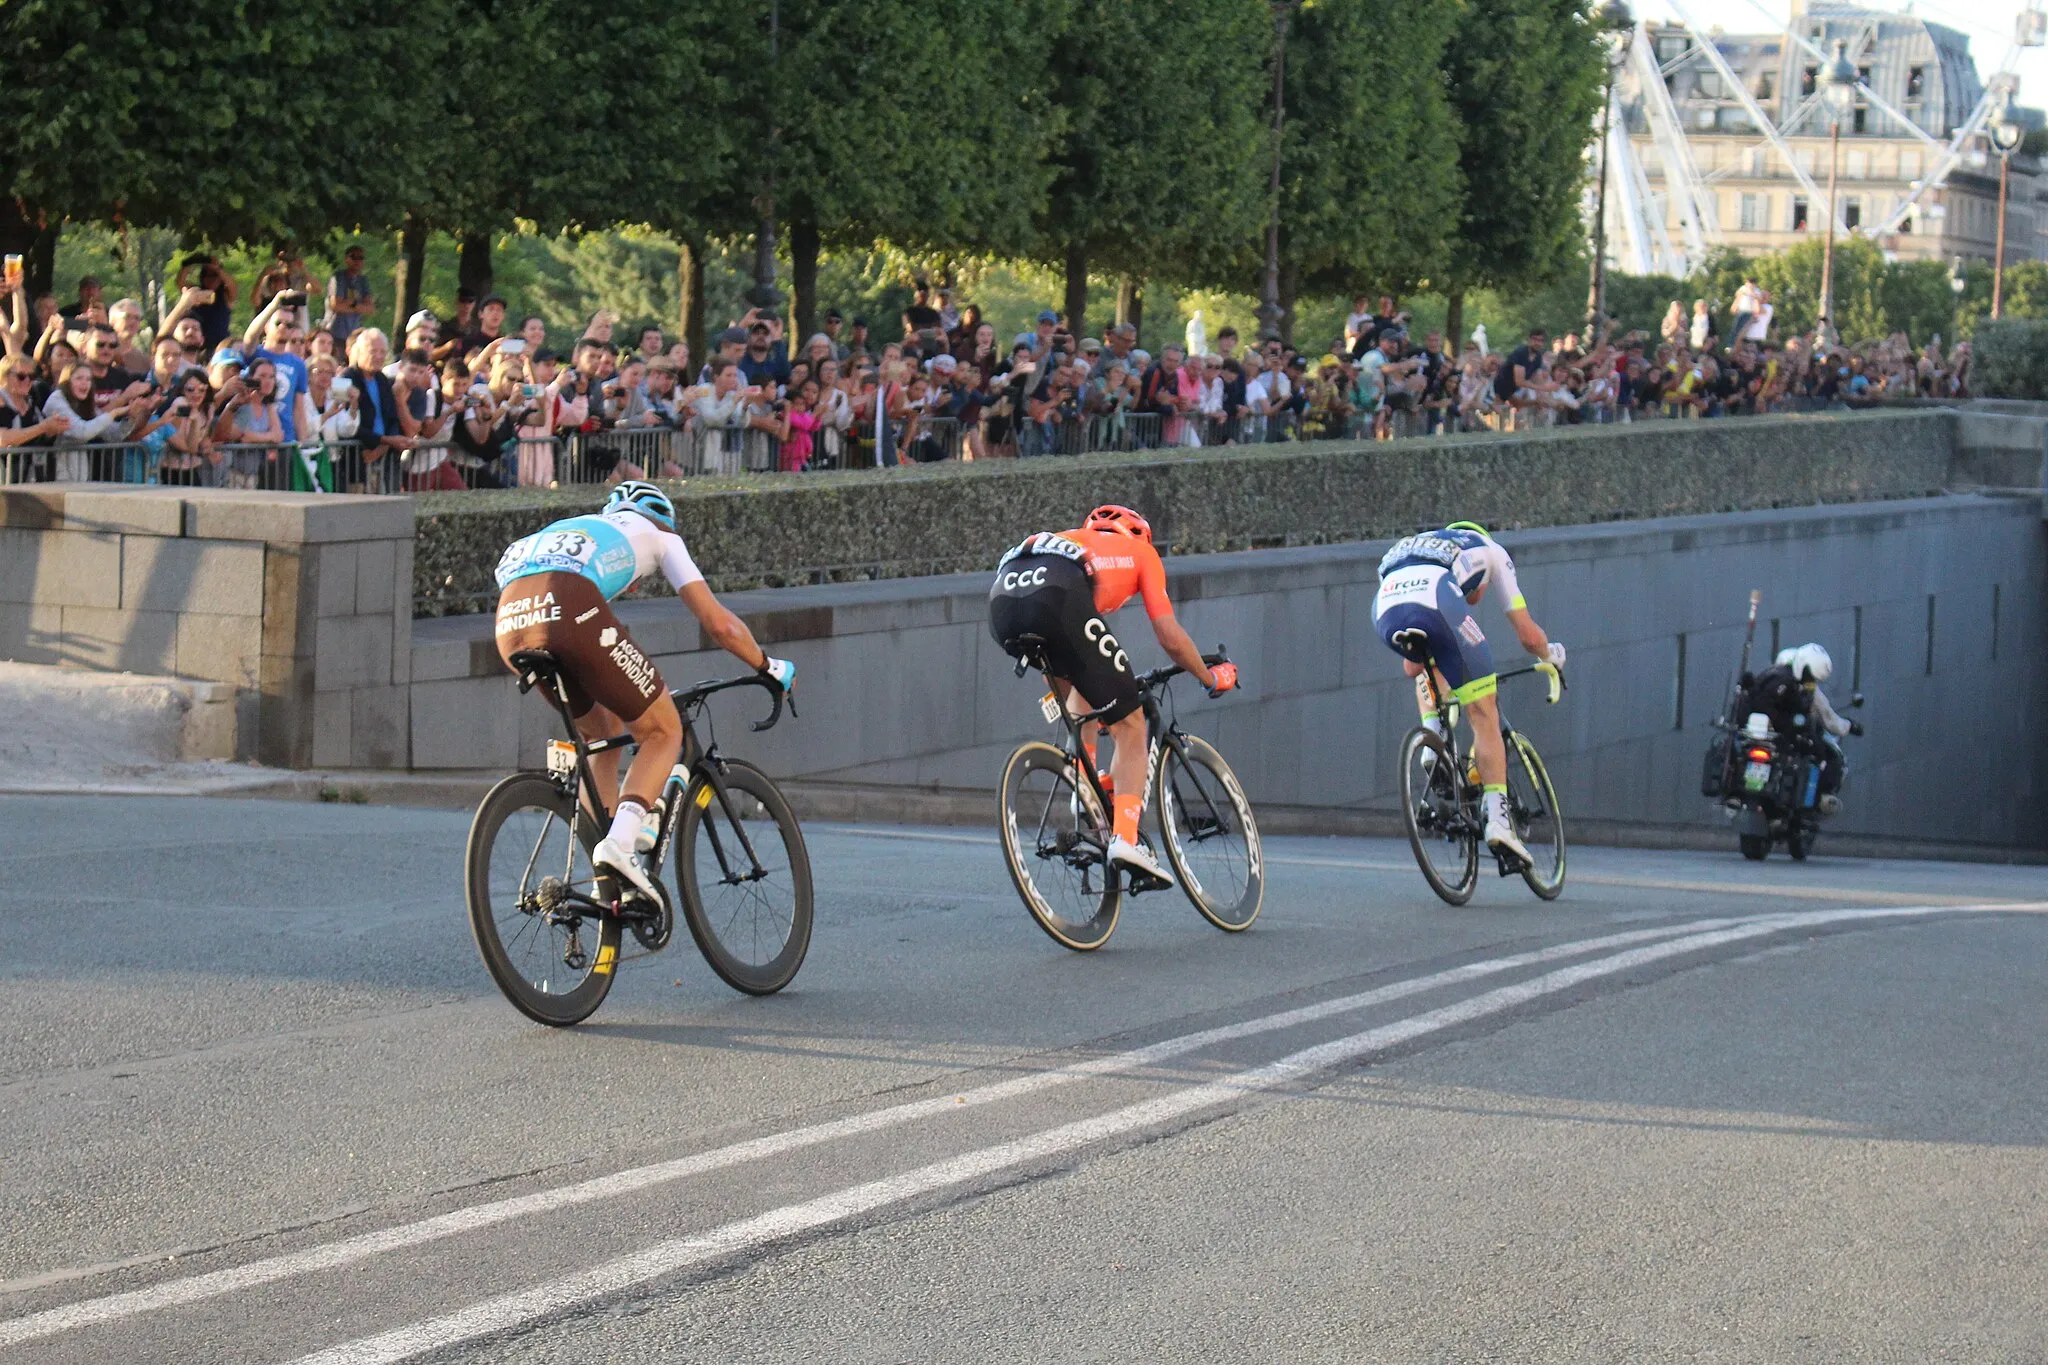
x: 1057, y: 586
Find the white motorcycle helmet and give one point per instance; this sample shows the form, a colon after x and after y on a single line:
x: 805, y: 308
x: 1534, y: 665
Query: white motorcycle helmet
x: 1808, y: 662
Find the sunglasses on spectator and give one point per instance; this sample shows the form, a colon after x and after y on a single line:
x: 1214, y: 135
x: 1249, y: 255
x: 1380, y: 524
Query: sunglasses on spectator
x: 21, y: 374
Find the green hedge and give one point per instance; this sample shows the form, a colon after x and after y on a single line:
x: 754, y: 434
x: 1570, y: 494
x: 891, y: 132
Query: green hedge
x: 777, y: 530
x: 2009, y: 359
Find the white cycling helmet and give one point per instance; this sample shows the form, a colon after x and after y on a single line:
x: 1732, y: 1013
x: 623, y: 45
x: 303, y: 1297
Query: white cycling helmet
x: 1808, y: 661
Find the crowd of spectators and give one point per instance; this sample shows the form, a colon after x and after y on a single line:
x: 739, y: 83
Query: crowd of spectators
x: 310, y: 397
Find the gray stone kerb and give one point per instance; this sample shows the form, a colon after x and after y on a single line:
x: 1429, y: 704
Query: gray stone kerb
x: 465, y: 647
x: 207, y: 513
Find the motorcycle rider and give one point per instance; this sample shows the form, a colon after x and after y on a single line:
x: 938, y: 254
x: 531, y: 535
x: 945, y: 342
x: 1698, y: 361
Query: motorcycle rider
x: 1791, y: 686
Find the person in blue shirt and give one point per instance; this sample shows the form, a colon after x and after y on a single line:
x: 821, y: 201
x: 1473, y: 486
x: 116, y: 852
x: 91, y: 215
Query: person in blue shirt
x: 282, y: 337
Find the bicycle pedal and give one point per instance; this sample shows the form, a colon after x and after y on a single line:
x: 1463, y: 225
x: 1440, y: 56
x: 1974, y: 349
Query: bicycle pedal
x: 1510, y: 865
x: 1141, y: 882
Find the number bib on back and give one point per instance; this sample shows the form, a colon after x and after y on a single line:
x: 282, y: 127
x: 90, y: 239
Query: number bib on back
x: 590, y: 546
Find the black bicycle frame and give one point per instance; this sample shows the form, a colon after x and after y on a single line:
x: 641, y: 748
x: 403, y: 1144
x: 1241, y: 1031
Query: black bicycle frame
x: 695, y: 760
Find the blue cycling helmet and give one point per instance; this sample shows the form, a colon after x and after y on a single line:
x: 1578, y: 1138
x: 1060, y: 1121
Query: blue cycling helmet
x: 638, y: 495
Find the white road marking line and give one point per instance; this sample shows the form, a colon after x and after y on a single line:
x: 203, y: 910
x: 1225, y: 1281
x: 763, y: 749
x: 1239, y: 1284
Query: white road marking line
x: 1907, y: 899
x: 193, y: 1288
x: 666, y: 1258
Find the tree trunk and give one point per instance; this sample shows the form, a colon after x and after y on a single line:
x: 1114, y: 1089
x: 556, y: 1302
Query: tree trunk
x: 1130, y: 302
x: 41, y: 266
x: 1077, y: 291
x: 405, y: 280
x: 474, y: 270
x: 1290, y: 285
x: 690, y: 291
x: 1454, y: 323
x: 803, y: 282
x: 23, y: 233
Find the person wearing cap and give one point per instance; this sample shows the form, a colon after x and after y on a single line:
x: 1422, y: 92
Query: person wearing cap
x: 1091, y: 354
x: 760, y: 365
x: 835, y: 321
x: 489, y: 326
x: 728, y: 346
x: 349, y: 299
x: 1041, y: 337
x: 422, y: 330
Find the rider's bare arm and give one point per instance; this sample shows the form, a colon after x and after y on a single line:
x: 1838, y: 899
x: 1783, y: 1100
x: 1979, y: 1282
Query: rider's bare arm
x: 1528, y: 632
x: 1181, y: 649
x: 721, y: 626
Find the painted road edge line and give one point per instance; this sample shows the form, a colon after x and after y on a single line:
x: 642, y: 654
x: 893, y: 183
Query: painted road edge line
x: 666, y: 1258
x: 211, y: 1284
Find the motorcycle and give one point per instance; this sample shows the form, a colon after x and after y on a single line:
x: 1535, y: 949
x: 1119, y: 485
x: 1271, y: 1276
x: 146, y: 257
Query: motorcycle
x: 1766, y: 778
x: 1768, y: 782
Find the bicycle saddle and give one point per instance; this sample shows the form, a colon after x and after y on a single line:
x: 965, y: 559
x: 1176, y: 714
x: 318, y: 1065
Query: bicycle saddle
x: 533, y: 665
x: 1413, y: 642
x: 1033, y: 645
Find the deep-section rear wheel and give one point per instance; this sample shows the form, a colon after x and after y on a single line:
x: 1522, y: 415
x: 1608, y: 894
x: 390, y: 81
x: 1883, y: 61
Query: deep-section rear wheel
x: 747, y: 900
x: 1532, y: 804
x: 1055, y: 840
x: 552, y: 956
x: 1443, y: 824
x: 1211, y: 838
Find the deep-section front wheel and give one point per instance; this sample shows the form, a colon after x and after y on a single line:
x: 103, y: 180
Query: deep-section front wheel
x: 1211, y: 838
x: 1055, y: 839
x: 552, y: 955
x: 746, y: 879
x: 1443, y: 825
x: 1756, y: 847
x: 1532, y: 805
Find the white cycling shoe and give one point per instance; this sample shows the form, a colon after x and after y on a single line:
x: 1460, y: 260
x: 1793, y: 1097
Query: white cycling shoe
x: 1501, y: 835
x: 612, y: 856
x: 1125, y: 854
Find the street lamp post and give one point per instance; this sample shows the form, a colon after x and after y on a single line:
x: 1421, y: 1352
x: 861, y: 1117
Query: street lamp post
x: 2005, y: 135
x: 1620, y: 27
x: 1838, y: 89
x: 1270, y: 311
x: 764, y: 295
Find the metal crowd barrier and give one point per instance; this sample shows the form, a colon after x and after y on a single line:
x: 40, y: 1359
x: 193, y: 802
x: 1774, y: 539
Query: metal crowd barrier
x: 277, y: 468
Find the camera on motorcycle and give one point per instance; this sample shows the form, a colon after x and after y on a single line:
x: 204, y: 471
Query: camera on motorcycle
x: 1855, y: 699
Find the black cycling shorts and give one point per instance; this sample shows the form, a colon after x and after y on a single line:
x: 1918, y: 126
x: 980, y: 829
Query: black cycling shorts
x: 1049, y: 597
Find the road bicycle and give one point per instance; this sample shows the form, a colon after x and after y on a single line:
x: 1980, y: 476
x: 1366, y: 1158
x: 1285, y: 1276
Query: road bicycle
x: 1441, y: 802
x: 1054, y: 813
x: 550, y: 928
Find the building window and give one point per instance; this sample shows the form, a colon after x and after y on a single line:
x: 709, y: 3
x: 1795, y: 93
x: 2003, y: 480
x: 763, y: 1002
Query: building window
x: 1862, y: 120
x: 1856, y: 165
x: 1670, y: 49
x: 1703, y: 119
x: 1916, y: 82
x: 1809, y: 81
x: 1766, y: 88
x: 1752, y: 213
x: 1909, y: 164
x: 1906, y: 226
x: 1798, y: 214
x: 1760, y: 161
x: 1709, y: 85
x: 1852, y: 213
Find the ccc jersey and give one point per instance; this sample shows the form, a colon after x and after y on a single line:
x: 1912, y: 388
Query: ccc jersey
x: 1470, y: 557
x: 612, y: 549
x: 1119, y: 567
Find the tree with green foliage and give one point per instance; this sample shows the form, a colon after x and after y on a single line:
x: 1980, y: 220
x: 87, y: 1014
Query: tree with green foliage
x: 1162, y: 163
x: 1525, y: 78
x: 1369, y: 185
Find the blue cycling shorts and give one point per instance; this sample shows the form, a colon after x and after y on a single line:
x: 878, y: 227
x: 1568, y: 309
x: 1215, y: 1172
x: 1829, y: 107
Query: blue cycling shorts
x: 1423, y: 597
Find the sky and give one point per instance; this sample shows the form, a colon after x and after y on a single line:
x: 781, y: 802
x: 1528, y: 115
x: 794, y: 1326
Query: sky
x: 1987, y: 23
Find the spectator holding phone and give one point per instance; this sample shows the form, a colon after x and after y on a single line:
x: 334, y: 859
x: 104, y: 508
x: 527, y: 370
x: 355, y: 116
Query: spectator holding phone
x: 188, y: 454
x: 276, y: 334
x: 214, y: 305
x: 330, y: 402
x: 249, y: 416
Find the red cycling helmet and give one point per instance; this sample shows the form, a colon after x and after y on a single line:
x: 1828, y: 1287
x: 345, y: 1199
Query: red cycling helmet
x: 1122, y: 520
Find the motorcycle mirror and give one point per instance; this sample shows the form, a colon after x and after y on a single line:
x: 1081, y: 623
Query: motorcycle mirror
x: 1855, y: 699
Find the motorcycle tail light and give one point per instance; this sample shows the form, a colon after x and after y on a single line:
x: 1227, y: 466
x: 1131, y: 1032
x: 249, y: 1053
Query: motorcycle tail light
x: 1759, y: 755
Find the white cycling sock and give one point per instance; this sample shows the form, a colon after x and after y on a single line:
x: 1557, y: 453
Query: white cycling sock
x: 626, y: 823
x: 1434, y: 724
x: 1496, y: 805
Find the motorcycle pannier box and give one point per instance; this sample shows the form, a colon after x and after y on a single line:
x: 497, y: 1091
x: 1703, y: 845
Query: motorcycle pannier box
x: 1714, y: 771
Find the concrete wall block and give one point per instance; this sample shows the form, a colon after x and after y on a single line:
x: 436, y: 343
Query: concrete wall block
x: 296, y: 518
x: 135, y: 511
x: 466, y: 723
x: 376, y: 565
x: 20, y: 549
x: 334, y: 587
x: 224, y: 648
x: 290, y: 587
x: 380, y: 727
x: 77, y: 569
x: 225, y: 578
x: 119, y: 641
x: 333, y: 714
x: 30, y: 634
x: 352, y: 651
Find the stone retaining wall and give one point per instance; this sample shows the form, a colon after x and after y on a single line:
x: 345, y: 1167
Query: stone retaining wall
x: 776, y: 531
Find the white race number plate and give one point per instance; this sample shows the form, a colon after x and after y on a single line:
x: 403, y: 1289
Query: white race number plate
x: 1049, y: 704
x: 561, y: 757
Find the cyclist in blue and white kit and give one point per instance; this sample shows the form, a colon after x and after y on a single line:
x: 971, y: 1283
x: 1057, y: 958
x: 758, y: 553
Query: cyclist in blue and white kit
x: 1428, y: 582
x: 555, y: 592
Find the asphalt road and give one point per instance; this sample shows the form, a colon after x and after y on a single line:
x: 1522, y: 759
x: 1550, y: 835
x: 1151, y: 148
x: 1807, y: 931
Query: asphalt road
x: 259, y: 1102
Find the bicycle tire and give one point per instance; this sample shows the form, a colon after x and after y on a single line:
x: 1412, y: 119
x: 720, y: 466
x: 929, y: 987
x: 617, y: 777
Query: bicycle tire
x: 536, y: 942
x: 718, y: 932
x: 1183, y: 827
x: 1547, y: 885
x: 1066, y: 829
x: 1799, y: 839
x: 1450, y: 818
x: 1755, y: 847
